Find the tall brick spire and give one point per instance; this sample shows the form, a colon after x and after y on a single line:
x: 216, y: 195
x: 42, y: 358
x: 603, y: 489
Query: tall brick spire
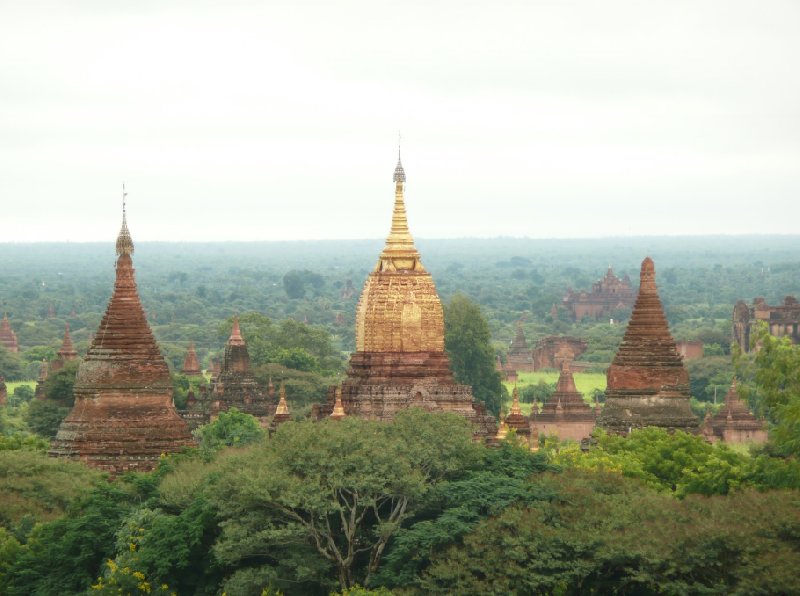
x: 123, y: 417
x: 67, y: 351
x: 647, y: 382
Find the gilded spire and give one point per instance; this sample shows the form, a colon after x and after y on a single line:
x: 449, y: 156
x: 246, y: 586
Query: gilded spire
x: 399, y: 252
x: 283, y: 407
x: 338, y: 408
x: 124, y: 240
x: 516, y: 410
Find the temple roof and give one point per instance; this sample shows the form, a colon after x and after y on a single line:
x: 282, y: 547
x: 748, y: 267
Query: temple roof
x: 67, y: 351
x: 124, y: 351
x: 735, y: 413
x: 7, y: 336
x: 399, y: 253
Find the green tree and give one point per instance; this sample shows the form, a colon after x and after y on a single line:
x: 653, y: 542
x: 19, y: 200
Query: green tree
x: 44, y: 417
x: 231, y: 429
x: 59, y: 385
x: 468, y: 343
x: 11, y: 365
x: 340, y: 488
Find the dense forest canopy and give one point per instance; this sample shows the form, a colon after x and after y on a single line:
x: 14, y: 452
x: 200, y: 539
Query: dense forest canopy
x: 188, y: 288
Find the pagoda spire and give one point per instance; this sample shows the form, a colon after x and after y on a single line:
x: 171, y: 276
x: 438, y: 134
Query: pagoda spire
x: 516, y: 410
x: 338, y: 408
x: 236, y: 338
x: 400, y: 251
x: 67, y: 351
x: 283, y: 406
x: 124, y: 240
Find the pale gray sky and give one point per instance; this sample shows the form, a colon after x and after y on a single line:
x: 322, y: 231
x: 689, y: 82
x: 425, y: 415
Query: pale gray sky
x: 278, y: 120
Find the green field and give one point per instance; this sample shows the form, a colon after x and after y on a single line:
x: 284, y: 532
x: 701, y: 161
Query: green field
x: 584, y: 382
x: 11, y: 385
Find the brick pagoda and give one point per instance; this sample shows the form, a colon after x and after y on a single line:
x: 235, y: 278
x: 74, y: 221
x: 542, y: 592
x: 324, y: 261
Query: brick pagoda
x: 400, y: 361
x: 647, y: 382
x: 67, y: 353
x: 734, y: 423
x: 8, y: 339
x: 191, y: 365
x: 519, y: 354
x: 123, y: 418
x: 566, y: 414
x: 234, y: 387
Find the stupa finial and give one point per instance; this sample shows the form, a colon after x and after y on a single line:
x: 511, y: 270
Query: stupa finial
x: 124, y: 240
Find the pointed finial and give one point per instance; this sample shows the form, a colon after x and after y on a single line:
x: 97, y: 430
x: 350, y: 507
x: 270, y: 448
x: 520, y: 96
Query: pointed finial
x: 124, y: 240
x: 236, y: 338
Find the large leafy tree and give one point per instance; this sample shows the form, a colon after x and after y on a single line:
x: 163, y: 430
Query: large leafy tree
x: 338, y: 489
x: 468, y: 343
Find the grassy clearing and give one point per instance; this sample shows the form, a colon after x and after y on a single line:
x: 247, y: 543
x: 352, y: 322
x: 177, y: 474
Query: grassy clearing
x: 586, y: 383
x: 11, y: 385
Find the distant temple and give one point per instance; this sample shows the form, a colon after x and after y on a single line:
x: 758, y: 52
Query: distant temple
x: 647, y: 383
x: 781, y: 321
x: 519, y: 354
x: 565, y: 414
x: 734, y: 423
x: 191, y: 365
x: 8, y: 339
x: 552, y: 351
x: 609, y: 294
x: 690, y: 349
x: 66, y: 353
x: 234, y: 387
x: 123, y: 418
x: 400, y: 361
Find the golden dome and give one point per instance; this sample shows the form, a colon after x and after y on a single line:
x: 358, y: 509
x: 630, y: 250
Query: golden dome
x: 399, y: 309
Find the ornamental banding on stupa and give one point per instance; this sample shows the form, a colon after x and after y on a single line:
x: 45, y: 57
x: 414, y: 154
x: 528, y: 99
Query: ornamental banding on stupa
x: 123, y: 418
x: 400, y: 361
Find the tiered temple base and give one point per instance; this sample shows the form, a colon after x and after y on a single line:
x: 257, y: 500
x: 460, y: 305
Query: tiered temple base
x: 380, y: 384
x: 121, y: 432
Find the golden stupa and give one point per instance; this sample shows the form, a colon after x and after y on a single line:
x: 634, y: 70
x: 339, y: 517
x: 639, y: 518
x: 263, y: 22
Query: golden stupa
x: 400, y: 360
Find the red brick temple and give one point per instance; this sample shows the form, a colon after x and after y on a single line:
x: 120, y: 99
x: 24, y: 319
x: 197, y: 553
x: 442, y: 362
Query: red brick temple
x: 234, y: 387
x: 647, y: 384
x: 123, y: 418
x: 607, y: 295
x: 781, y: 321
x: 553, y: 350
x: 566, y: 414
x: 191, y: 365
x: 734, y: 423
x: 8, y: 339
x: 400, y: 361
x: 66, y: 353
x: 519, y: 354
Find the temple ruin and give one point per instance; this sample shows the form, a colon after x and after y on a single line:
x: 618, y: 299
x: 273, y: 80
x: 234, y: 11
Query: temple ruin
x: 565, y: 415
x: 606, y: 296
x: 519, y: 354
x: 191, y: 365
x: 781, y: 321
x: 400, y: 361
x: 734, y: 423
x: 552, y: 351
x: 8, y: 339
x: 123, y: 418
x: 647, y: 384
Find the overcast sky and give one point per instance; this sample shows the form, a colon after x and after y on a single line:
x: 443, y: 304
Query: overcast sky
x: 278, y: 120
